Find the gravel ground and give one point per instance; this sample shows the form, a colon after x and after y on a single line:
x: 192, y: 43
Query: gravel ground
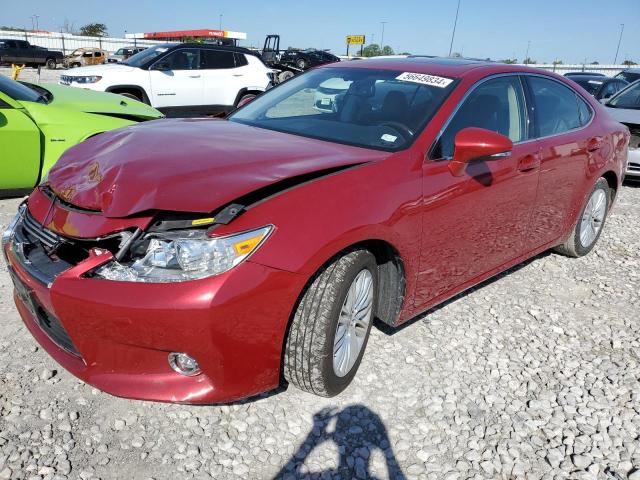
x: 533, y: 375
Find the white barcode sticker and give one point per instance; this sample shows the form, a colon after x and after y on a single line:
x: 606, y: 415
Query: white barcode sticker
x: 424, y: 79
x: 388, y: 138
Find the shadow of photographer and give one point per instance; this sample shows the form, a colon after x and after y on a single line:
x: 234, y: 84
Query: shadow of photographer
x: 358, y: 434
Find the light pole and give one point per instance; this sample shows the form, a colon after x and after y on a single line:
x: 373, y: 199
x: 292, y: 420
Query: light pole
x: 382, y: 38
x: 33, y: 25
x: 526, y: 56
x: 37, y: 24
x: 455, y: 23
x: 619, y: 41
x: 220, y: 23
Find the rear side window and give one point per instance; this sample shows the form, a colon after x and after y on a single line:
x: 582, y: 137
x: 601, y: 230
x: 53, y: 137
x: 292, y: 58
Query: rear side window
x: 497, y: 105
x: 241, y: 60
x: 584, y: 111
x: 555, y: 106
x: 217, y: 59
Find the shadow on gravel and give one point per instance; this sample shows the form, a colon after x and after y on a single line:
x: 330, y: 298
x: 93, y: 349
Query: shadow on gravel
x: 358, y: 433
x: 388, y: 330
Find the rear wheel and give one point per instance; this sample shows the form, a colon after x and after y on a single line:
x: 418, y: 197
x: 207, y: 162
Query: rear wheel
x: 51, y: 63
x: 330, y: 328
x: 284, y: 76
x: 302, y: 64
x: 590, y: 222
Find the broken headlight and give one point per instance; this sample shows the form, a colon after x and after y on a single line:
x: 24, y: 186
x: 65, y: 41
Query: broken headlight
x: 183, y: 255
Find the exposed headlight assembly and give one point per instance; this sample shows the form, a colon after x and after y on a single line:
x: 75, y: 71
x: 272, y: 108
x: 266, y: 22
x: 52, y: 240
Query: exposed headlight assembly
x: 184, y: 255
x: 7, y: 234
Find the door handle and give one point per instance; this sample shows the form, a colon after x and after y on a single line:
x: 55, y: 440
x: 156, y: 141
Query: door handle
x: 194, y: 76
x: 529, y: 163
x: 238, y: 75
x: 594, y: 145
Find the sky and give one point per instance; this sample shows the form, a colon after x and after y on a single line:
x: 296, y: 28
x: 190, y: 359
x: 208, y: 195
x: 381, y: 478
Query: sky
x: 570, y: 30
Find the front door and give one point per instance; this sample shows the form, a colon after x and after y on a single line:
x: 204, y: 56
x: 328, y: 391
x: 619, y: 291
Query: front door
x: 476, y: 223
x: 176, y: 80
x: 19, y: 148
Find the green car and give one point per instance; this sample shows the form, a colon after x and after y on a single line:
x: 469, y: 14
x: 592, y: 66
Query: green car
x: 39, y: 122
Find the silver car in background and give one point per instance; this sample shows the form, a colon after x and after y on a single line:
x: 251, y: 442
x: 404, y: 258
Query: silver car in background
x: 123, y: 53
x: 625, y: 108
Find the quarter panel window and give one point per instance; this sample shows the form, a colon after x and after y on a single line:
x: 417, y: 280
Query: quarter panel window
x: 555, y: 106
x: 496, y: 105
x: 584, y: 111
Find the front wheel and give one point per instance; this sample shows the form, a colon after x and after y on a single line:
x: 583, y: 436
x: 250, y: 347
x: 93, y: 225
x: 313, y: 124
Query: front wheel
x: 51, y: 64
x: 302, y: 64
x: 330, y: 328
x: 590, y: 222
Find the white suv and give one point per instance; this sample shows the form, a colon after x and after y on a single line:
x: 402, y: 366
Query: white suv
x: 180, y: 79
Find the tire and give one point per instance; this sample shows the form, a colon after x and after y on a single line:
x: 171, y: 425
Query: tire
x: 284, y: 76
x: 301, y: 63
x: 309, y: 350
x: 581, y: 241
x: 51, y: 64
x: 245, y: 98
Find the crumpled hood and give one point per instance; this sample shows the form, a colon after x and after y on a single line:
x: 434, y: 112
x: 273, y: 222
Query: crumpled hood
x: 188, y: 165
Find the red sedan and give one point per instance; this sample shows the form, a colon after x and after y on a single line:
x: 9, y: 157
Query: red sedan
x: 207, y: 260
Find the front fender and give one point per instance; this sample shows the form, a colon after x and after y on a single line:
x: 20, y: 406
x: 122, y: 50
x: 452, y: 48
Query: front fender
x: 316, y: 220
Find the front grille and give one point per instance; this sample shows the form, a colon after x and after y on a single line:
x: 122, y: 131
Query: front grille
x: 46, y: 237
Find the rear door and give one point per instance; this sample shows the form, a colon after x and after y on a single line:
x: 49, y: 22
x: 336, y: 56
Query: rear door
x: 223, y: 76
x: 19, y: 147
x: 180, y: 84
x: 568, y: 144
x: 476, y: 223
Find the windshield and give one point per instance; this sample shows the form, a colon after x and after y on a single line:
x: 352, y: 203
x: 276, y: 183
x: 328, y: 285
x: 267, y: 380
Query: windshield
x: 20, y: 92
x: 145, y: 56
x: 590, y: 85
x: 381, y: 109
x: 627, y: 98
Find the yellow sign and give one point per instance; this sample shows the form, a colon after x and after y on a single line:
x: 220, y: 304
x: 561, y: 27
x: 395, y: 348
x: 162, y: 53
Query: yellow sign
x: 355, y: 39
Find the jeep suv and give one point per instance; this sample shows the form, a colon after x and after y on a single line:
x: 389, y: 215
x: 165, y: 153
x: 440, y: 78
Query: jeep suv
x: 180, y: 79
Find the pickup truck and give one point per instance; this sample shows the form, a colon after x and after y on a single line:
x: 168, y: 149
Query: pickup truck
x: 22, y: 52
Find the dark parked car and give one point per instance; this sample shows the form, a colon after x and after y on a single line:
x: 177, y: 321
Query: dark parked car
x: 600, y: 87
x: 630, y: 75
x: 304, y: 59
x: 22, y: 52
x: 203, y: 260
x: 625, y: 107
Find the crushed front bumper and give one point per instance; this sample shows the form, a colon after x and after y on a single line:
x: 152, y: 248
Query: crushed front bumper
x: 116, y: 336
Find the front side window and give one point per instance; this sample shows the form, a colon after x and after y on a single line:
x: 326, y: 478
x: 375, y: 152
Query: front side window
x: 497, y: 105
x: 381, y: 109
x: 145, y: 57
x: 555, y: 106
x: 183, y: 59
x: 217, y: 59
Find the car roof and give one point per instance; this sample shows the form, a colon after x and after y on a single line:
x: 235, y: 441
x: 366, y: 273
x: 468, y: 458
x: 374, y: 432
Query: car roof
x: 594, y: 78
x: 448, y: 67
x: 632, y: 70
x: 213, y: 46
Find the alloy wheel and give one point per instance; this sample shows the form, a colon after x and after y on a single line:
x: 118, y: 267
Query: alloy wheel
x: 593, y: 218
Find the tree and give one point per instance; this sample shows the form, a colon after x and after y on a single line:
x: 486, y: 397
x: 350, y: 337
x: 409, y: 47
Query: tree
x: 509, y: 61
x: 371, y: 50
x: 595, y: 63
x: 68, y: 27
x: 387, y: 50
x: 456, y: 55
x: 94, y: 30
x: 557, y: 61
x: 628, y: 63
x: 528, y: 60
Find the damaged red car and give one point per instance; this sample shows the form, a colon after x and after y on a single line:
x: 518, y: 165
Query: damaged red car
x: 208, y: 260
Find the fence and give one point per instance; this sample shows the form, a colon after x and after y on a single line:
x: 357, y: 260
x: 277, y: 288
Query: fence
x: 66, y: 42
x: 609, y: 70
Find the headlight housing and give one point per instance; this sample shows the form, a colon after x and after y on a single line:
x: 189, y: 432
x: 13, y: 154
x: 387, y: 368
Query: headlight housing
x: 87, y: 79
x: 7, y: 234
x: 184, y: 255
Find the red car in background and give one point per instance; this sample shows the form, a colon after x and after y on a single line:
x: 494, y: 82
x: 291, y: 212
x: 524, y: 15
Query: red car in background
x: 203, y: 260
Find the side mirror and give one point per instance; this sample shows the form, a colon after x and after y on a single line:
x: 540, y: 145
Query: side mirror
x: 162, y: 66
x: 477, y: 144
